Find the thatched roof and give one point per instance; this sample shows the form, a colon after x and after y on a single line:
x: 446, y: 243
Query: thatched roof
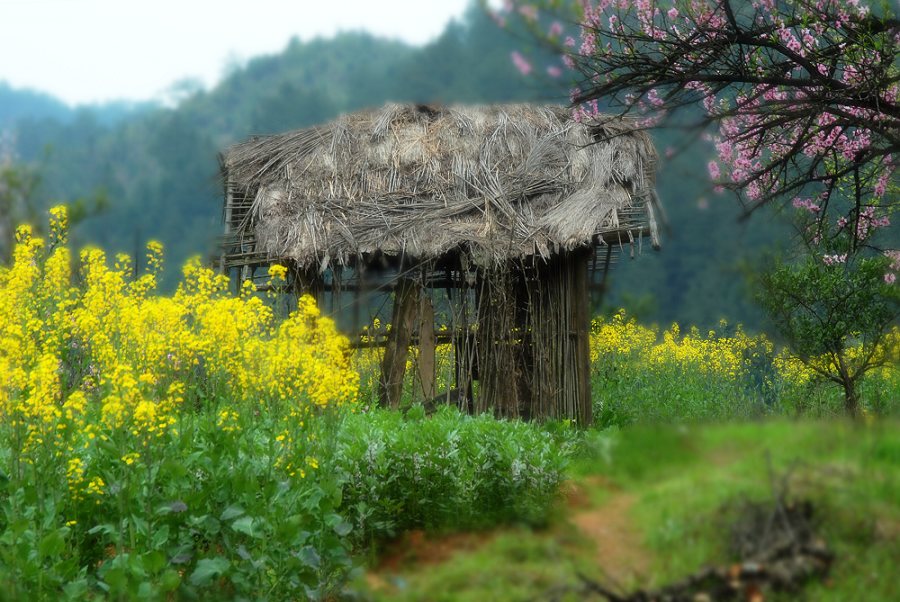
x: 499, y: 182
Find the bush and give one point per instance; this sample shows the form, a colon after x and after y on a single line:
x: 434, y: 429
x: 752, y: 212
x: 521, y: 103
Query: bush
x: 448, y: 470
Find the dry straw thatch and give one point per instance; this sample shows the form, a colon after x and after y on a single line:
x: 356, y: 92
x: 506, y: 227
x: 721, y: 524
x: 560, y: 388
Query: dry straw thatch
x: 497, y: 182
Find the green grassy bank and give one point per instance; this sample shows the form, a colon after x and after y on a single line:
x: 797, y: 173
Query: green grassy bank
x: 646, y: 506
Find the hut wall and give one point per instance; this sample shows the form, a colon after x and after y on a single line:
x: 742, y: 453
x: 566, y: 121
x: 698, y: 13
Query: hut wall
x: 533, y: 342
x: 559, y: 326
x: 500, y: 345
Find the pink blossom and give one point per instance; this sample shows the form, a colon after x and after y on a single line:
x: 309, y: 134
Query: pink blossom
x: 894, y: 256
x: 529, y: 11
x: 520, y: 62
x: 556, y: 28
x: 554, y: 71
x: 890, y: 278
x: 752, y: 135
x: 807, y: 204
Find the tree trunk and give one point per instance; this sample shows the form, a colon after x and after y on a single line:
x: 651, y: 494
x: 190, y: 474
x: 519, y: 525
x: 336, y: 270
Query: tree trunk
x: 851, y: 398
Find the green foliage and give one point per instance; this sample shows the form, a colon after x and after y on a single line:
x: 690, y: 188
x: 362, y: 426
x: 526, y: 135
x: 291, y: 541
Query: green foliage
x: 835, y: 318
x: 201, y: 513
x: 821, y: 309
x: 666, y: 486
x: 446, y: 471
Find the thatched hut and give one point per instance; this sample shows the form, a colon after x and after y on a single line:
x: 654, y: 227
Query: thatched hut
x: 495, y: 217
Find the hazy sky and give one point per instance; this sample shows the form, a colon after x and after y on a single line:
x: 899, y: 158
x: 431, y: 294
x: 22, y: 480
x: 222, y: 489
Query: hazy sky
x: 97, y: 50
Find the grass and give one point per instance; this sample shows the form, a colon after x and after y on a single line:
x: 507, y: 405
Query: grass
x: 676, y: 481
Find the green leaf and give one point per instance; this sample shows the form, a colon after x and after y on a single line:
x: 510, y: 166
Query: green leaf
x: 208, y: 569
x: 232, y: 512
x: 245, y: 525
x: 145, y: 590
x: 174, y: 469
x: 160, y: 537
x: 154, y: 561
x: 106, y: 529
x: 169, y: 581
x: 343, y: 528
x: 52, y: 544
x: 116, y: 580
x: 310, y: 557
x: 76, y: 590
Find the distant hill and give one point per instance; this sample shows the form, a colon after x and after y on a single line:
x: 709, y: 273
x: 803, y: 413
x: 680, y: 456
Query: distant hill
x: 159, y: 165
x: 18, y: 104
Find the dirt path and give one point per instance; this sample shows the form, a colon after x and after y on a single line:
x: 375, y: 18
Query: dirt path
x: 416, y: 548
x: 619, y: 553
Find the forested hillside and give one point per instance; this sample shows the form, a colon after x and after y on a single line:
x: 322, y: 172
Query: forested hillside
x: 158, y: 166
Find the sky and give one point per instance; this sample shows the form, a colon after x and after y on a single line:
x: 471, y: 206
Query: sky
x: 89, y: 51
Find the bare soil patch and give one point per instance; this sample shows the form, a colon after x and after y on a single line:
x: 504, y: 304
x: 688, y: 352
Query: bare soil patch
x: 620, y: 552
x: 421, y: 549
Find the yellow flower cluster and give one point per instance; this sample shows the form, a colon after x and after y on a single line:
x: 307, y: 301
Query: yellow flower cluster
x: 885, y: 356
x: 79, y: 485
x: 228, y: 421
x: 621, y: 341
x: 103, y: 343
x: 725, y: 356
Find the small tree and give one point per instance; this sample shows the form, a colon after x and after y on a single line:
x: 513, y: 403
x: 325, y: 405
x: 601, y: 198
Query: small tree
x: 834, y: 312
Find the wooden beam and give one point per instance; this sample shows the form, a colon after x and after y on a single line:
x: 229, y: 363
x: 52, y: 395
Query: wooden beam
x: 393, y: 367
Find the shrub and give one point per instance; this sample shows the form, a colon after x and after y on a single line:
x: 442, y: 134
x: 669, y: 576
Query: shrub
x: 447, y: 470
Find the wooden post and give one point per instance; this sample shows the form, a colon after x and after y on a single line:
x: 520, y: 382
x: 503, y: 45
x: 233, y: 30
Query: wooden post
x: 464, y: 349
x: 524, y: 354
x: 427, y: 345
x: 581, y: 326
x: 393, y: 367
